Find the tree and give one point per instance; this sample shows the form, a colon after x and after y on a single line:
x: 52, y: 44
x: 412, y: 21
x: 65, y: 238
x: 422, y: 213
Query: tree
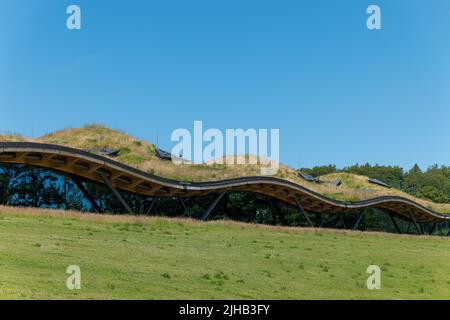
x: 320, y: 170
x: 433, y: 194
x: 413, y: 180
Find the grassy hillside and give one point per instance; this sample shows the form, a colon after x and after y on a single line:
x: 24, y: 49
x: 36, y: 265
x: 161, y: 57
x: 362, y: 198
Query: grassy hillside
x: 155, y: 258
x: 141, y: 154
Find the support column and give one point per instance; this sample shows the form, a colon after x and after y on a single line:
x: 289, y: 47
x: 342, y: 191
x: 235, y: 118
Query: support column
x: 343, y: 221
x: 299, y: 205
x: 212, y: 206
x: 86, y: 193
x: 322, y: 220
x: 152, y: 205
x: 336, y: 220
x: 319, y: 217
x: 433, y: 226
x: 183, y: 205
x: 361, y: 217
x: 395, y: 223
x: 115, y: 192
x: 419, y: 231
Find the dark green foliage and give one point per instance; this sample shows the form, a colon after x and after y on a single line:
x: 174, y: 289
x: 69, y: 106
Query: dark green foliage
x: 413, y: 180
x: 432, y: 184
x: 320, y: 170
x: 433, y: 194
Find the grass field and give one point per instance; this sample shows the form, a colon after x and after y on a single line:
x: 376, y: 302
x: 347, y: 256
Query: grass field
x: 123, y: 257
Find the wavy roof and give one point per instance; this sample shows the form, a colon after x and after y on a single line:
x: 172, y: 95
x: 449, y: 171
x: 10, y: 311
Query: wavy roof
x: 138, y: 169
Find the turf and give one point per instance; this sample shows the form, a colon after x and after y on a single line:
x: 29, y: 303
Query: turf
x: 124, y: 257
x: 141, y: 155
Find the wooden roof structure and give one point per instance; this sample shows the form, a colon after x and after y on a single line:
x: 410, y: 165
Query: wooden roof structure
x: 96, y: 167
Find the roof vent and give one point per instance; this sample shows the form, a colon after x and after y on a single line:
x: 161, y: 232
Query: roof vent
x: 379, y: 182
x: 104, y: 152
x: 309, y: 178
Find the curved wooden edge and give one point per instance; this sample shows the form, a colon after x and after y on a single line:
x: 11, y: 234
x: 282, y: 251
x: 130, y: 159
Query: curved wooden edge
x: 87, y: 165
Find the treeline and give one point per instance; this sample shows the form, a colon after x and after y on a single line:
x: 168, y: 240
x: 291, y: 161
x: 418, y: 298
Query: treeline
x: 432, y: 184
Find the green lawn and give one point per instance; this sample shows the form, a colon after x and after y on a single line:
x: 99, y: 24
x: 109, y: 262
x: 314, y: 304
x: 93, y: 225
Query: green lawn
x: 149, y: 258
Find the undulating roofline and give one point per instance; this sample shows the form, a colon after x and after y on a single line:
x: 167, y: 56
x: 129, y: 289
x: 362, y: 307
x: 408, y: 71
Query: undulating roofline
x: 96, y: 167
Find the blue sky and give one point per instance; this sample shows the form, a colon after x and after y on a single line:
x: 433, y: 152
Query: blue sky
x: 338, y: 92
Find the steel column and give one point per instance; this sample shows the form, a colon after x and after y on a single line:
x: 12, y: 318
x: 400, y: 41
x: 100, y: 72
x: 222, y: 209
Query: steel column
x: 395, y: 223
x: 183, y: 205
x: 336, y: 220
x: 361, y: 216
x: 433, y: 226
x: 419, y: 231
x: 213, y: 205
x: 152, y: 205
x: 116, y: 193
x: 86, y: 193
x: 320, y: 215
x: 343, y: 221
x: 321, y: 221
x: 299, y: 205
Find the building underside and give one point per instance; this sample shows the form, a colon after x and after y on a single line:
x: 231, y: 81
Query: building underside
x: 80, y: 164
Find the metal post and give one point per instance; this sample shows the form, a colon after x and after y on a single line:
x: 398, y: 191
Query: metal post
x: 336, y: 220
x: 361, y: 216
x: 183, y: 205
x: 343, y: 221
x: 433, y: 226
x: 213, y: 205
x: 416, y: 225
x: 299, y: 205
x: 395, y: 223
x: 321, y: 219
x: 116, y: 193
x: 86, y: 193
x: 152, y: 205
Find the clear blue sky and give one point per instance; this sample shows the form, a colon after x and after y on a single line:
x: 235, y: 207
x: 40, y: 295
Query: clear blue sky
x: 338, y: 92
